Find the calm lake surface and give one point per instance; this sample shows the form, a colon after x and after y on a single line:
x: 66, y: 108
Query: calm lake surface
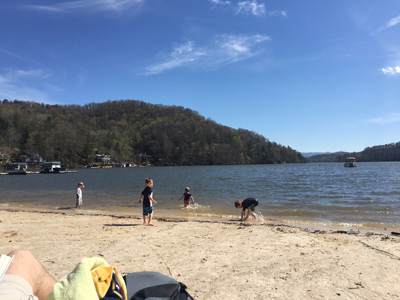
x: 367, y: 196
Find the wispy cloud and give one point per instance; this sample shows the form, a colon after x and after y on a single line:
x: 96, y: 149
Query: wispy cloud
x: 391, y: 70
x: 282, y: 13
x: 251, y: 8
x: 393, y: 22
x: 87, y: 5
x: 18, y: 84
x: 18, y: 57
x: 389, y: 119
x: 248, y: 7
x: 237, y: 47
x: 181, y: 55
x: 33, y: 73
x: 225, y: 49
x: 220, y: 2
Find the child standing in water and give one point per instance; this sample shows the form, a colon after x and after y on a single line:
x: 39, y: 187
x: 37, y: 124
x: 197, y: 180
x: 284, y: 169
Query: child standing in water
x: 147, y: 196
x: 187, y: 197
x: 79, y: 202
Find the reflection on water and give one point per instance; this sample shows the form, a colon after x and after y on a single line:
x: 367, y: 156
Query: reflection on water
x: 324, y: 193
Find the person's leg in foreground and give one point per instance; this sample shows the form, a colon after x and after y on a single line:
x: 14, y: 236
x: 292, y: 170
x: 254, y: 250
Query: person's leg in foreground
x: 27, y: 267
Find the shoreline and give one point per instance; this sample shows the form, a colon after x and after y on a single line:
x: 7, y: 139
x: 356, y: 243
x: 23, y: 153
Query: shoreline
x: 166, y: 216
x: 216, y: 260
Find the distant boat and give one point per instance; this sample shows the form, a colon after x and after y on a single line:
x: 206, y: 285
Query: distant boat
x: 51, y: 167
x: 350, y: 162
x: 54, y: 167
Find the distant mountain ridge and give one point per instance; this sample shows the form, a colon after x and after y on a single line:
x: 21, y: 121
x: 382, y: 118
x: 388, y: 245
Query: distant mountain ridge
x: 327, y: 157
x: 309, y: 154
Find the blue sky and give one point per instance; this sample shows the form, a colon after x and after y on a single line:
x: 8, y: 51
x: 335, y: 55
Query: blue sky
x: 313, y: 75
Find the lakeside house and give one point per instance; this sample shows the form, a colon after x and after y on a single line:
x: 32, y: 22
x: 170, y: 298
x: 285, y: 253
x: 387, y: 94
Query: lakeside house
x: 105, y: 159
x: 18, y: 166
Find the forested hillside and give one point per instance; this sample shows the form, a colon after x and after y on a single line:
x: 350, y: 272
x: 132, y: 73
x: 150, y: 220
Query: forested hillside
x: 389, y: 152
x: 132, y: 131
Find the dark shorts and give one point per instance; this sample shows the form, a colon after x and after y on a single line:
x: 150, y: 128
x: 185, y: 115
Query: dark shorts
x: 253, y: 207
x: 147, y: 210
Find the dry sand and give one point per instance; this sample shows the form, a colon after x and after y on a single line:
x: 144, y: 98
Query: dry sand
x: 216, y: 260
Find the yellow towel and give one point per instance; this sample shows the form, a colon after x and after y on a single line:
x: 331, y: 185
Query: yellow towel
x: 79, y: 283
x: 103, y: 278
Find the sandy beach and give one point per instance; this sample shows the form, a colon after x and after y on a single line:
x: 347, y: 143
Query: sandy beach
x: 216, y: 260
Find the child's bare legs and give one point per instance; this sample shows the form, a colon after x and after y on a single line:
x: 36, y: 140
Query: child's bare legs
x: 150, y: 219
x: 148, y: 212
x: 249, y: 212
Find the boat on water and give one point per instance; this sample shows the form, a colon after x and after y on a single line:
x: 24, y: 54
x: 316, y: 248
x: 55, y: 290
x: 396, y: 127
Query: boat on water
x: 54, y: 167
x: 350, y: 162
x: 47, y: 168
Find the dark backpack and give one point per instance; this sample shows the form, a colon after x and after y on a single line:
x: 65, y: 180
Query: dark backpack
x: 154, y: 286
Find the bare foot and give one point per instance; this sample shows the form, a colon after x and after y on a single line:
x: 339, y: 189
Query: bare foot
x: 150, y: 224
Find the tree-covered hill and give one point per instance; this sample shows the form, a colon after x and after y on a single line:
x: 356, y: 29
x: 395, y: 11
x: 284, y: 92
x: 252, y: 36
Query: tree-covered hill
x: 131, y: 130
x: 389, y: 152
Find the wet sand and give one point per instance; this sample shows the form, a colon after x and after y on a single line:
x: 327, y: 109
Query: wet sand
x: 215, y: 259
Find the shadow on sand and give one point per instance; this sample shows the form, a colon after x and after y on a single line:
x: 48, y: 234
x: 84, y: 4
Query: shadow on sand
x: 121, y: 225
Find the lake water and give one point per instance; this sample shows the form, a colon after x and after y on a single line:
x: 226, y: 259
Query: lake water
x: 364, y: 197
